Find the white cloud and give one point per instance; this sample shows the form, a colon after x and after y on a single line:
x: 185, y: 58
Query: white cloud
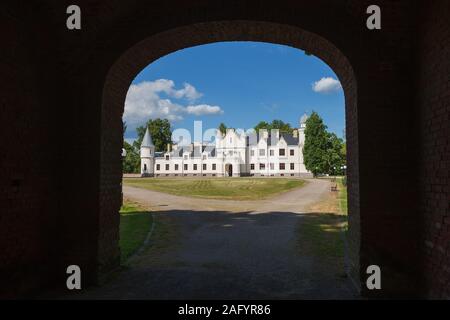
x: 326, y: 85
x: 203, y: 109
x: 189, y: 92
x: 144, y: 102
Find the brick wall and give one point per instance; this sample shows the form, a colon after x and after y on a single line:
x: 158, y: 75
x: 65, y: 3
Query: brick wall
x: 434, y: 118
x: 28, y: 211
x: 75, y: 84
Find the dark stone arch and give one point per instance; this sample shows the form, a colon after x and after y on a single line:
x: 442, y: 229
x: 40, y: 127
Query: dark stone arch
x: 130, y: 63
x: 54, y: 107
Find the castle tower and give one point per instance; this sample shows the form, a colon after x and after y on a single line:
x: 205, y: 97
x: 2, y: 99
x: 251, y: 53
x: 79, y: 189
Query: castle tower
x: 147, y: 156
x: 301, y: 130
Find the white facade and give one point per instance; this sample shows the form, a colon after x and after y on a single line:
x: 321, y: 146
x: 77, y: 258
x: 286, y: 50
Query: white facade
x: 231, y: 155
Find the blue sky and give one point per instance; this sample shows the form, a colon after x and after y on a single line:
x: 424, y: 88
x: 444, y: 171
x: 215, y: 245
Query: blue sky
x: 238, y: 83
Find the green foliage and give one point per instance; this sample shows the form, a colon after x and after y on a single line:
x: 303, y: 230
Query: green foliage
x: 132, y: 161
x: 323, y: 151
x: 335, y: 158
x: 223, y: 128
x: 275, y: 124
x: 160, y: 131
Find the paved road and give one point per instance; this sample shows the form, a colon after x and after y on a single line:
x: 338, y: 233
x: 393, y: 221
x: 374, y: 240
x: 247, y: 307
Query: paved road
x: 220, y: 249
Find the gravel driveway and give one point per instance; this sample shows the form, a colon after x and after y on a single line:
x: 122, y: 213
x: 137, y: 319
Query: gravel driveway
x: 221, y: 249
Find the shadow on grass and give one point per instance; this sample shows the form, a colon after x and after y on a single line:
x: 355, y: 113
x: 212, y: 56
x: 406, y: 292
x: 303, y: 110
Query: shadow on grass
x: 135, y: 224
x: 224, y: 255
x: 322, y: 235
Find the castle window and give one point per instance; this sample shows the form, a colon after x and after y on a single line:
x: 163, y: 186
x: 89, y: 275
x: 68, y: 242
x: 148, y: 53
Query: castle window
x: 185, y: 166
x: 176, y: 167
x: 262, y: 166
x: 204, y: 166
x: 195, y: 167
x: 167, y: 157
x: 185, y: 157
x: 158, y: 166
x: 272, y: 166
x: 282, y: 166
x: 282, y: 152
x: 252, y: 166
x: 292, y: 151
x: 167, y: 167
x: 252, y: 153
x: 262, y: 152
x: 292, y: 166
x: 272, y: 152
x: 214, y: 166
x: 204, y: 157
x: 145, y: 167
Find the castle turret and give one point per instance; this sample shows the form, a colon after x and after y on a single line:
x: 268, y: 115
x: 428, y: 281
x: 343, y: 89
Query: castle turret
x: 147, y: 155
x: 303, y: 121
x: 301, y: 130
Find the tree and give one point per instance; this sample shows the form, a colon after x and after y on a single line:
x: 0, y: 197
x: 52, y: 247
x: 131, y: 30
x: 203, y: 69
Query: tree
x: 132, y: 161
x: 282, y: 126
x: 316, y: 144
x: 275, y: 124
x: 323, y: 151
x: 223, y: 128
x: 161, y: 133
x: 335, y: 158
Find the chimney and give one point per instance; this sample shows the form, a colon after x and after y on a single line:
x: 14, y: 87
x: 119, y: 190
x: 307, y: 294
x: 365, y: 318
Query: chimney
x: 168, y: 147
x: 275, y: 133
x: 295, y: 133
x: 263, y: 134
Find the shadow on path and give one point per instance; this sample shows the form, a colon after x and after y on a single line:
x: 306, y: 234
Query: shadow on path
x: 223, y: 255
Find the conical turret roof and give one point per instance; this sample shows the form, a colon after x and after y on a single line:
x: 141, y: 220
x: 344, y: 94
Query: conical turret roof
x: 147, y: 141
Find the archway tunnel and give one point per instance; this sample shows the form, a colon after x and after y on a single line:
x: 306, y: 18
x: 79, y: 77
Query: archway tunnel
x: 396, y: 108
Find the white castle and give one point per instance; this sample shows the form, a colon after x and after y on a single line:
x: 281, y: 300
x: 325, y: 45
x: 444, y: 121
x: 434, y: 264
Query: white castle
x: 232, y: 154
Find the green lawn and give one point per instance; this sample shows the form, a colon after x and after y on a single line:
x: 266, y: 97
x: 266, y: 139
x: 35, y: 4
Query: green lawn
x: 218, y: 188
x: 135, y: 224
x: 342, y: 196
x: 322, y: 234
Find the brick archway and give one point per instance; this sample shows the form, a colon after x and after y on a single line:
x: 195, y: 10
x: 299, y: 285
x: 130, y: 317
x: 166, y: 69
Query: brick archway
x: 63, y: 101
x: 148, y: 50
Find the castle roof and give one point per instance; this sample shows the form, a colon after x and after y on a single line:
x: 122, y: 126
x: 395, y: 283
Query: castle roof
x: 147, y: 141
x: 288, y: 137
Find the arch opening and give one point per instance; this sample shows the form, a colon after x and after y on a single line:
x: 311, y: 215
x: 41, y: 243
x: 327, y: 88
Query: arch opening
x: 145, y: 52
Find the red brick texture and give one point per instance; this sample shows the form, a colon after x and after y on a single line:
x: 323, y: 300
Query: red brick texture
x: 61, y: 174
x: 434, y: 111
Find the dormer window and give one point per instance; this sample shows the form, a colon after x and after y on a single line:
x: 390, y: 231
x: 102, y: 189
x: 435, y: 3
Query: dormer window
x: 204, y: 157
x: 167, y: 157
